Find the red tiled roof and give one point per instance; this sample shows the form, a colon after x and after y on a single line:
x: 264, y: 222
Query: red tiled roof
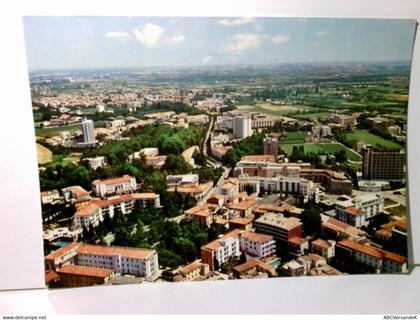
x: 114, y: 251
x: 354, y: 211
x: 85, y: 271
x: 62, y: 251
x: 118, y: 180
x: 256, y: 237
x: 321, y: 243
x: 298, y: 240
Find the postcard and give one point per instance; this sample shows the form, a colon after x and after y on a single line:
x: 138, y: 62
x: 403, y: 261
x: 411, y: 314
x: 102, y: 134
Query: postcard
x: 178, y: 149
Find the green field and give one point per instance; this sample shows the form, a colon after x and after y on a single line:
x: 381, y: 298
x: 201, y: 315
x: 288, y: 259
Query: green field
x: 323, y: 148
x: 369, y: 138
x: 293, y: 137
x: 56, y: 130
x: 320, y: 115
x: 399, y: 211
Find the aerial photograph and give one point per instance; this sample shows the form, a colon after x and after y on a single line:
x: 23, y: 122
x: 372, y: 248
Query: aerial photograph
x: 176, y: 149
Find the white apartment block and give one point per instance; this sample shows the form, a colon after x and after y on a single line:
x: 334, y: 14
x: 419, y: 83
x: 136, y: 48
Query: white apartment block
x: 138, y: 262
x: 120, y: 185
x: 257, y: 245
x: 94, y: 212
x: 371, y: 204
x: 242, y: 127
x: 221, y: 249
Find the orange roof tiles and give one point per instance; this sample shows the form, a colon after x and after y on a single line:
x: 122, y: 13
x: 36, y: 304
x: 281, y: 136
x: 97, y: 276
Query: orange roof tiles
x: 266, y: 158
x: 85, y: 271
x: 87, y: 210
x: 190, y: 267
x: 243, y: 205
x: 241, y: 221
x: 118, y: 180
x: 215, y: 244
x: 354, y: 211
x: 256, y: 237
x: 62, y: 251
x: 50, y: 275
x: 371, y: 251
x: 321, y: 243
x: 297, y: 240
x: 114, y: 251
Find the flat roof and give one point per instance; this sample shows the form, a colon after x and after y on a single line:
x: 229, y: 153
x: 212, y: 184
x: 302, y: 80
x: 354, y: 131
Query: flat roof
x: 276, y: 220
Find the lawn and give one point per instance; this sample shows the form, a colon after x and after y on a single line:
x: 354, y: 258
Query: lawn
x: 323, y: 148
x: 399, y: 211
x: 389, y: 202
x: 321, y: 115
x: 369, y: 138
x: 293, y: 137
x: 56, y: 130
x: 274, y: 110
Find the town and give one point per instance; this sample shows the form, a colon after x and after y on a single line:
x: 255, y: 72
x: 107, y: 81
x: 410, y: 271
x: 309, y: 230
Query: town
x: 233, y: 172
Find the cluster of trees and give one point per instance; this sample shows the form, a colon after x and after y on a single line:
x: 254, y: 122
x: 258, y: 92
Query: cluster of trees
x: 250, y: 145
x: 298, y: 153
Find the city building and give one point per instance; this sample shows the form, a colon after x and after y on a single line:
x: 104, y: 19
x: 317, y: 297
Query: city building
x: 189, y: 272
x: 335, y: 229
x: 75, y: 193
x: 199, y: 192
x: 95, y: 210
x: 202, y: 214
x: 137, y: 262
x: 359, y: 210
x: 72, y: 276
x: 220, y: 250
x: 254, y: 269
x: 97, y: 162
x: 282, y: 229
x: 375, y: 259
x: 271, y: 146
x: 242, y: 127
x: 50, y: 197
x: 324, y: 248
x: 298, y: 245
x: 119, y: 185
x: 181, y: 179
x: 88, y: 131
x: 115, y: 123
x: 383, y: 164
x: 257, y: 245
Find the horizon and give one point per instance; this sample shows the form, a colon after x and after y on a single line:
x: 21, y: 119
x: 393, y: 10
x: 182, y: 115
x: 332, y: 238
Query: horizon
x: 402, y: 62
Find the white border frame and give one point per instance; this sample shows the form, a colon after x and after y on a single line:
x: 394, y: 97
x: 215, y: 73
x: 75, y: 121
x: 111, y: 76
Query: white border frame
x: 20, y: 239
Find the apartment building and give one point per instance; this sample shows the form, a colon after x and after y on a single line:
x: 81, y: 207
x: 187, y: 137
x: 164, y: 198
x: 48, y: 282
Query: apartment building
x: 93, y: 212
x: 202, y: 214
x: 323, y: 248
x: 256, y: 244
x: 133, y: 261
x: 282, y: 229
x: 220, y: 250
x: 378, y: 260
x: 119, y: 185
x: 383, y: 164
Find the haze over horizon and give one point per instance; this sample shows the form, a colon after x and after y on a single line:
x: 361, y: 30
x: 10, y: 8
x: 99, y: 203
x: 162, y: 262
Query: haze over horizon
x: 63, y: 43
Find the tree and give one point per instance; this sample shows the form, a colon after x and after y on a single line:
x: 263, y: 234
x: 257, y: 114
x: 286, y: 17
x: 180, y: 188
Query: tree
x: 311, y: 219
x: 176, y: 164
x: 341, y: 156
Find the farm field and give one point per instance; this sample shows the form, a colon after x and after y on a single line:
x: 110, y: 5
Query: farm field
x: 369, y: 138
x: 323, y: 148
x: 321, y: 115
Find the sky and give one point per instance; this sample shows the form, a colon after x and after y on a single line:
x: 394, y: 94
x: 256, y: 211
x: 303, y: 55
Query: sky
x: 116, y: 42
